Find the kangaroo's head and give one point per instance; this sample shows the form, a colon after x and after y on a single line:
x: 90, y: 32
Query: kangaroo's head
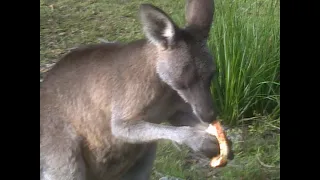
x: 183, y: 59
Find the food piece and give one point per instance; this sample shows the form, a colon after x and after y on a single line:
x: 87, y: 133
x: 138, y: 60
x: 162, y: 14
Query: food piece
x: 216, y: 129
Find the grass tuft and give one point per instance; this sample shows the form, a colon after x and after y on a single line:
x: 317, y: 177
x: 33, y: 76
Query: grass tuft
x: 246, y: 43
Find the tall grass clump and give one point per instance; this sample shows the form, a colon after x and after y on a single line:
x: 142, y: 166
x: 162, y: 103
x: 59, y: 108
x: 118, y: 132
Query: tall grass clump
x: 245, y: 41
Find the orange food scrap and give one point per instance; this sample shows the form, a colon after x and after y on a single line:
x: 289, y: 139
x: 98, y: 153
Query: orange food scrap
x: 216, y: 129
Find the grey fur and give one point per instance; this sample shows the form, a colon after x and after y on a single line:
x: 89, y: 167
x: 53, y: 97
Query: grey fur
x: 102, y: 105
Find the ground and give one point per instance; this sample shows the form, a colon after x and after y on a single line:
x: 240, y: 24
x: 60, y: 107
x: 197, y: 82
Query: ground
x: 65, y: 24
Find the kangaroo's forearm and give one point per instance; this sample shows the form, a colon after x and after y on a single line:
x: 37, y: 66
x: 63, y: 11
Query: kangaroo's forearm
x: 145, y: 132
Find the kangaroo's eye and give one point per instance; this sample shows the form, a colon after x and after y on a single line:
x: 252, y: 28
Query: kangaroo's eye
x: 181, y: 86
x: 187, y: 69
x: 187, y: 78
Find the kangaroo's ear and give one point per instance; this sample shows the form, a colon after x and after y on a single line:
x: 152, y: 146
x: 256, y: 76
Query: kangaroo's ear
x: 157, y: 26
x: 199, y: 16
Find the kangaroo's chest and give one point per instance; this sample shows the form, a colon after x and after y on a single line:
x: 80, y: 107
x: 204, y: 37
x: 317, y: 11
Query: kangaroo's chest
x: 110, y: 163
x: 115, y: 156
x: 162, y: 109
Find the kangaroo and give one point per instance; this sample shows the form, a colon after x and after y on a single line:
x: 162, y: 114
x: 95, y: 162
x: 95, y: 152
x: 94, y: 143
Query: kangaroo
x: 103, y: 106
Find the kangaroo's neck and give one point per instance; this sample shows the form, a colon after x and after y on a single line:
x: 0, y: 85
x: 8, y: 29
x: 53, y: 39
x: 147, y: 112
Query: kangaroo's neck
x: 141, y: 60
